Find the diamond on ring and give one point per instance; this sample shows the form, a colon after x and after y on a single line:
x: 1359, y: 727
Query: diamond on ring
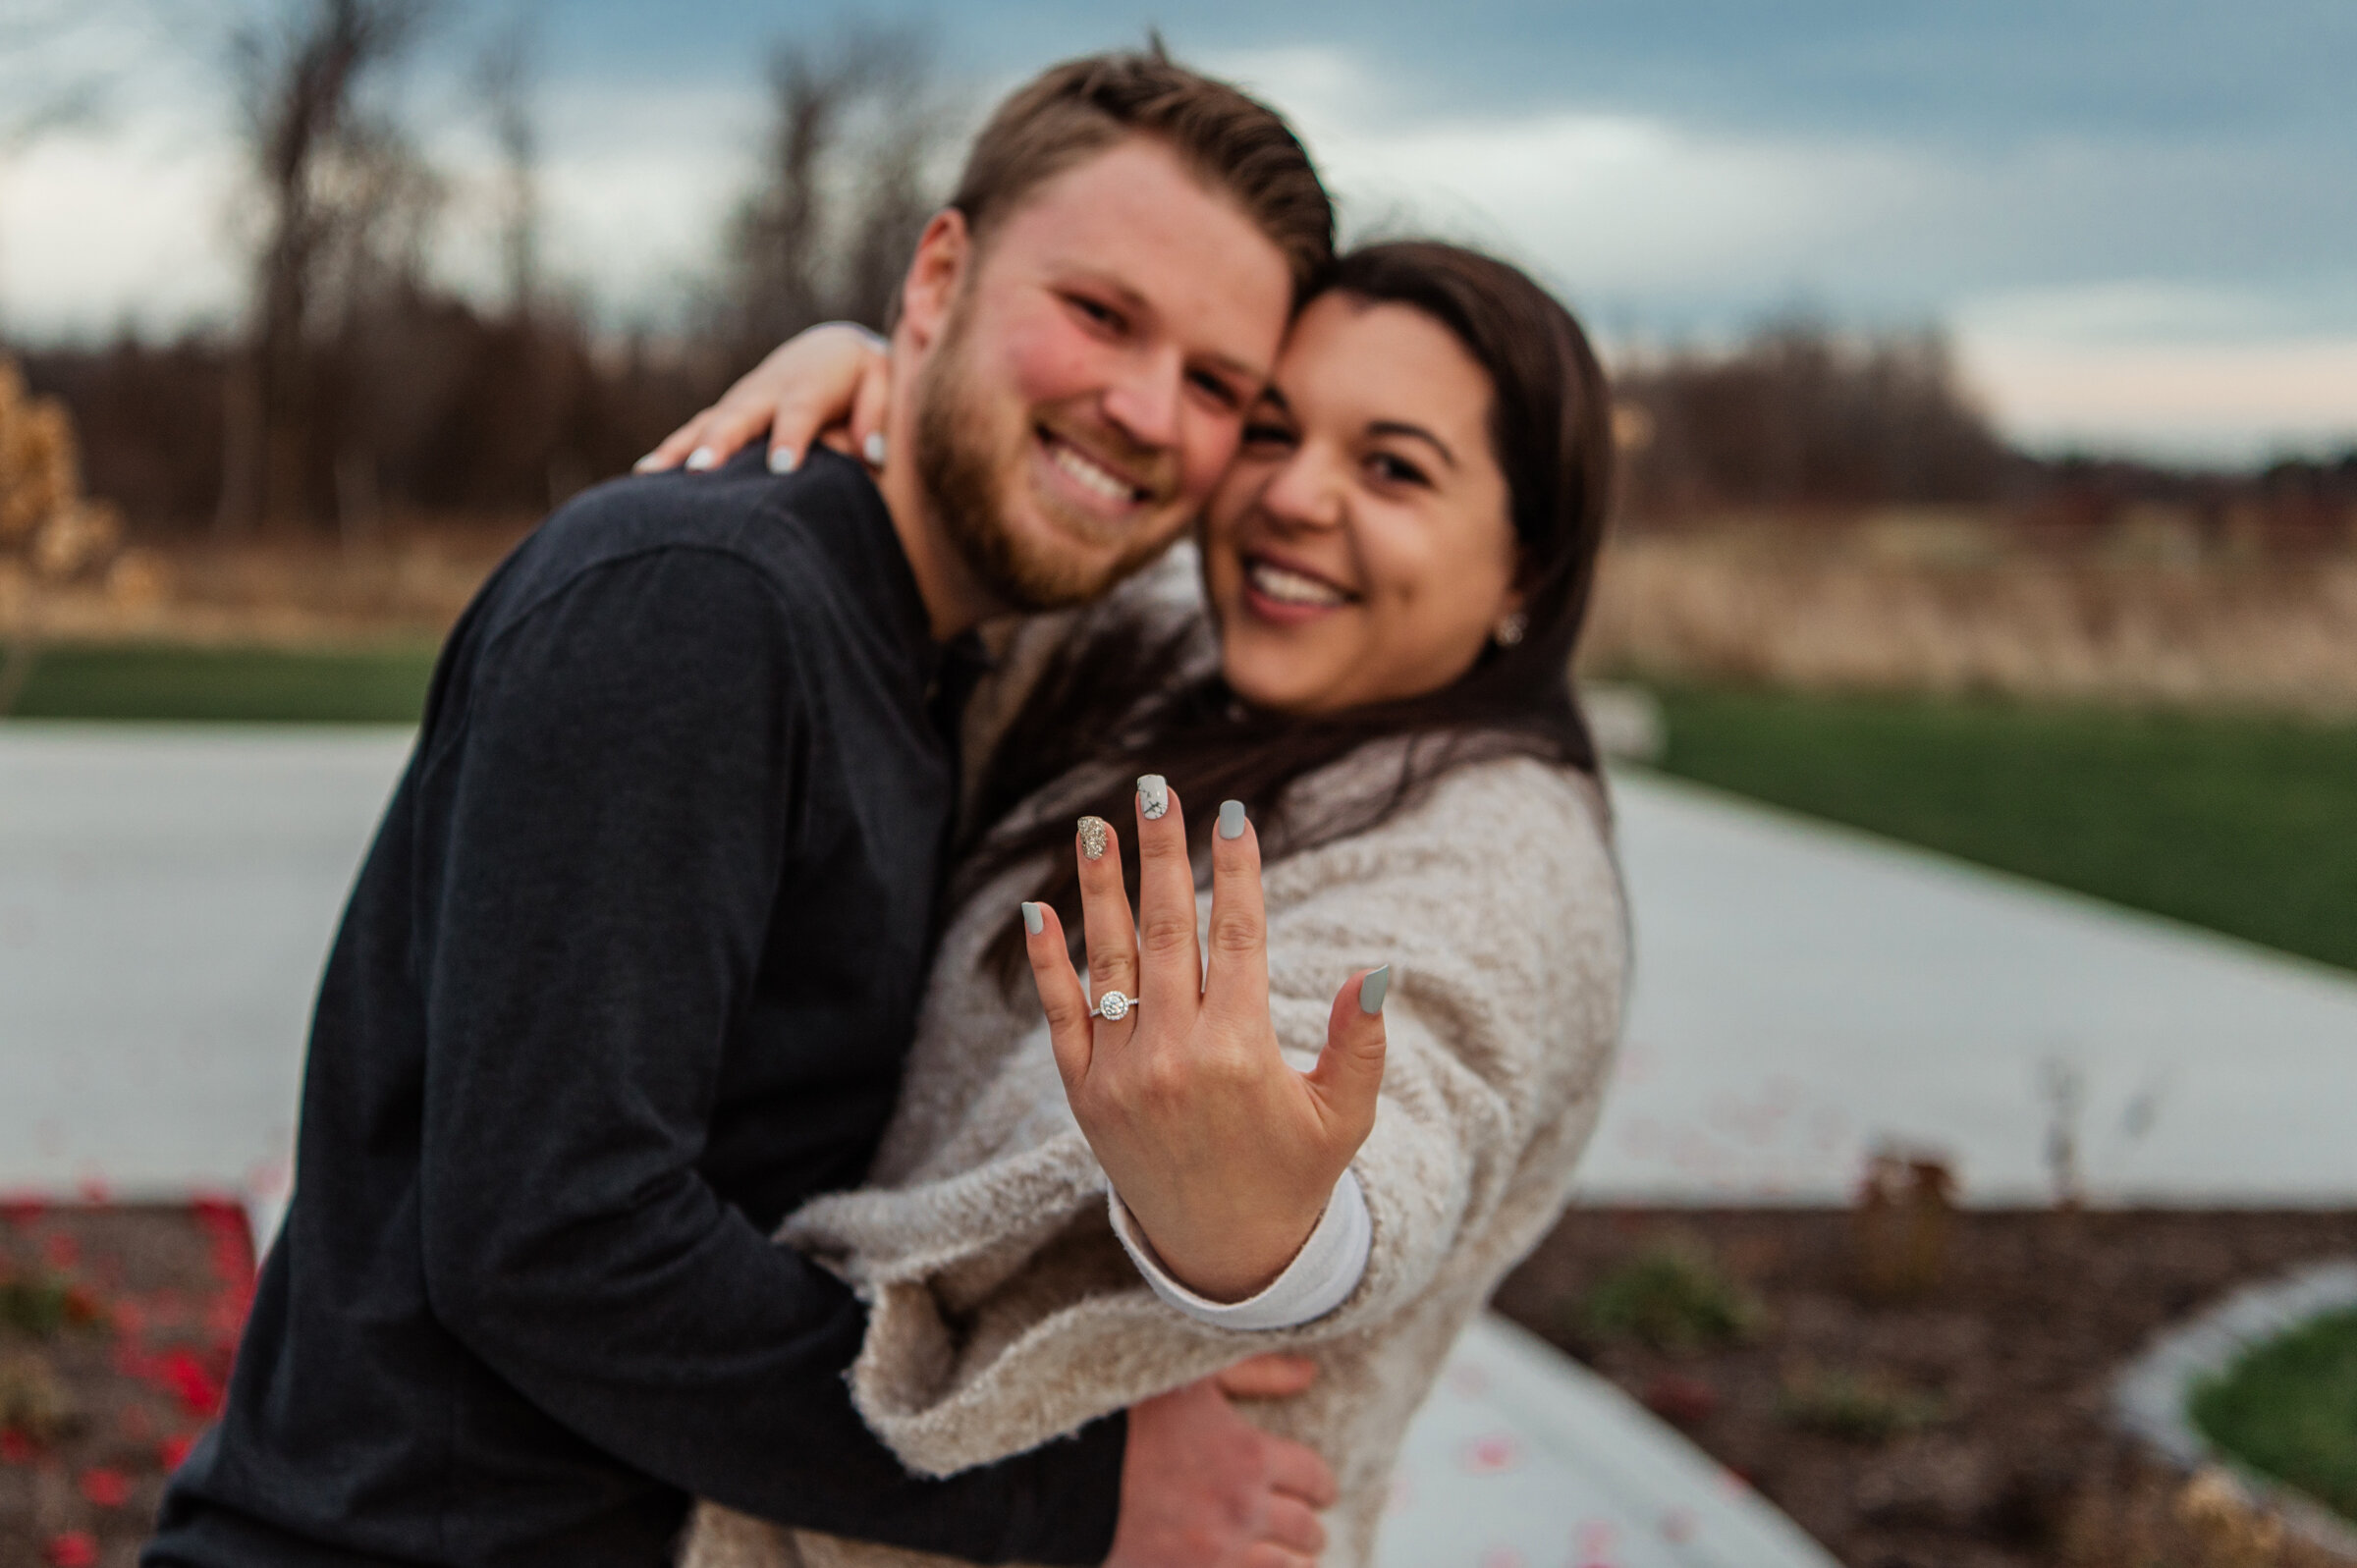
x: 1112, y: 1007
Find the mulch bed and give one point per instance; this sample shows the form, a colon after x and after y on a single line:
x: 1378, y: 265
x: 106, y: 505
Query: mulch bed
x: 1914, y: 1398
x: 1935, y: 1396
x: 117, y: 1328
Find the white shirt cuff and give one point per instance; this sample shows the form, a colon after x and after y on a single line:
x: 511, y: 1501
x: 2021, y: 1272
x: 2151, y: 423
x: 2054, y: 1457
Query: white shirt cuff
x: 1320, y: 1278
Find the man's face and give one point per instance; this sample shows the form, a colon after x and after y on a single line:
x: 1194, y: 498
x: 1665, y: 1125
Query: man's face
x: 1088, y: 377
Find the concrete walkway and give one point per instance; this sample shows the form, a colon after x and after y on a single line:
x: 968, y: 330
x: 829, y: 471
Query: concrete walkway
x: 1523, y: 1458
x: 166, y: 899
x: 1803, y: 993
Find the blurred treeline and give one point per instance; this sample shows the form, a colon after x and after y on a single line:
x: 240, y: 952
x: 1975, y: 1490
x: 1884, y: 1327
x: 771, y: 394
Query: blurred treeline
x: 356, y: 385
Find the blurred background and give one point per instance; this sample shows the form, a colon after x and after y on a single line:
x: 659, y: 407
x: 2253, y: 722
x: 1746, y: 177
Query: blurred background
x: 1986, y: 385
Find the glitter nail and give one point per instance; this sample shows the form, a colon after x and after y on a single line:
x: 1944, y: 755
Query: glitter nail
x: 1095, y: 834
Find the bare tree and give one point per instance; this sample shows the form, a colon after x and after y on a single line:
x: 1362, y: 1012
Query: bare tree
x: 503, y: 76
x: 842, y: 195
x: 344, y: 198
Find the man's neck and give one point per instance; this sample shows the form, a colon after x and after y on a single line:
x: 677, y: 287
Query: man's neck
x: 956, y: 601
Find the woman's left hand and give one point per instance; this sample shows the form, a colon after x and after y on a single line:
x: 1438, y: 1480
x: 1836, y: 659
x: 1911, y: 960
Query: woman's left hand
x: 827, y: 384
x: 1225, y: 1155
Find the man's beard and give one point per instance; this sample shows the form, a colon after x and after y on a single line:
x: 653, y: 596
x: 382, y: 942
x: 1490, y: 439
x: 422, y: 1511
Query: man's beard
x: 957, y: 462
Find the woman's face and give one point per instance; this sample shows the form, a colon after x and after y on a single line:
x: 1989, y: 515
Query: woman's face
x: 1359, y: 550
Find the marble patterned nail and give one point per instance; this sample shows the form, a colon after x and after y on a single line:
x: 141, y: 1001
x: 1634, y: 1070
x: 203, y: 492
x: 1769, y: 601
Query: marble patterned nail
x: 1095, y: 834
x: 1153, y: 796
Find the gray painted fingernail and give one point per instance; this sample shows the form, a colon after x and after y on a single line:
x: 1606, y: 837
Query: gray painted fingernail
x: 1095, y: 834
x: 1153, y: 796
x: 1371, y: 988
x: 1232, y: 819
x: 648, y: 464
x: 1033, y: 921
x: 872, y: 449
x: 702, y: 458
x: 783, y: 460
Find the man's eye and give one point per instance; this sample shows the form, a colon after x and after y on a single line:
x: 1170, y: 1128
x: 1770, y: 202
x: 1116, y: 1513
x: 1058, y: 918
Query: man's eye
x: 1267, y: 434
x: 1217, y: 389
x: 1104, y: 315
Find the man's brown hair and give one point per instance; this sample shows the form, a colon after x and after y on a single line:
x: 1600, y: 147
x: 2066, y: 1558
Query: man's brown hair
x: 1233, y: 142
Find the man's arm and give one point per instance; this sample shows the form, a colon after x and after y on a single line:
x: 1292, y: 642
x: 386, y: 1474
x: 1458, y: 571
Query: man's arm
x: 618, y: 823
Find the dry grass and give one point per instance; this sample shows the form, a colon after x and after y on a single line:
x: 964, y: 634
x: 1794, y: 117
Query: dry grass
x: 407, y: 585
x: 1936, y: 605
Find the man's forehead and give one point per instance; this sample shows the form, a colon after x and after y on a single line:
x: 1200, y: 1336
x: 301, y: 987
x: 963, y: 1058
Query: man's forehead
x: 1135, y: 224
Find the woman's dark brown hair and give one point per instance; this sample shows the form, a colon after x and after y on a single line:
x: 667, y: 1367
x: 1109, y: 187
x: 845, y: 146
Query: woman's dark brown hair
x: 1551, y: 431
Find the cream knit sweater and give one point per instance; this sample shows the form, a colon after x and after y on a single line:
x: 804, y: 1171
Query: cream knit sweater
x: 1005, y: 1314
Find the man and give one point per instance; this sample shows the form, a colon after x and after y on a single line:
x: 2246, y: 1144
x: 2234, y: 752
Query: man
x: 629, y: 968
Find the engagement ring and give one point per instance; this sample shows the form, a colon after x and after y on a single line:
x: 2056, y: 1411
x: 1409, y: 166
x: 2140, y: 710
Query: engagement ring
x: 1112, y: 1007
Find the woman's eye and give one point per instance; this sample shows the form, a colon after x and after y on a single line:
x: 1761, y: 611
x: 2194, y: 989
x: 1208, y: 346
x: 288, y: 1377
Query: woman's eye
x: 1393, y: 469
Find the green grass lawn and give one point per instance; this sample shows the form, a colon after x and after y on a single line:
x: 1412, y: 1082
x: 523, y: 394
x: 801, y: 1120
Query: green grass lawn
x: 2288, y: 1409
x: 2244, y: 825
x: 382, y: 685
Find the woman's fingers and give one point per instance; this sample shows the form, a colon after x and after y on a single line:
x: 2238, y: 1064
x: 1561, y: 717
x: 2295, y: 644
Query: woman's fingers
x: 732, y: 422
x: 1348, y: 1076
x: 1060, y: 995
x: 1238, y: 980
x: 1105, y: 921
x: 871, y: 403
x: 1171, y: 963
x: 675, y: 446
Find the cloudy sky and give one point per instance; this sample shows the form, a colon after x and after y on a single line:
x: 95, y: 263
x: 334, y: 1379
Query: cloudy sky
x: 2138, y: 218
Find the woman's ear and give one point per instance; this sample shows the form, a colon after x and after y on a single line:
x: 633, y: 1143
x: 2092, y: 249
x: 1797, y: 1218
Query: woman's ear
x: 936, y: 273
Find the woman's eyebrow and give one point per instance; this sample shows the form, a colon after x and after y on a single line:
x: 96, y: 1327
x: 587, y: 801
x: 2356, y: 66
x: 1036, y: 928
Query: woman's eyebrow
x: 1400, y: 428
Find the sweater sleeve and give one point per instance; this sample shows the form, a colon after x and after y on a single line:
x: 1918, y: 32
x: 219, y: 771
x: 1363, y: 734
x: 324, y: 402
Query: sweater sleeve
x: 617, y: 830
x: 1500, y: 910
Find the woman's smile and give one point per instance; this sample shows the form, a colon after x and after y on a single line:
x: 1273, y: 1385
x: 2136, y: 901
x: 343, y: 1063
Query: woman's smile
x: 1285, y: 592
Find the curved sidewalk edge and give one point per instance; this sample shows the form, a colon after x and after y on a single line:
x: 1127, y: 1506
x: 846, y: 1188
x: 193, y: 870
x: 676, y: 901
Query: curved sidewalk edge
x: 1522, y: 1456
x: 2153, y: 1398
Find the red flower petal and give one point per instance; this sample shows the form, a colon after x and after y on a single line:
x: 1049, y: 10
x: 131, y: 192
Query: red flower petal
x: 108, y: 1488
x: 76, y: 1549
x: 173, y: 1452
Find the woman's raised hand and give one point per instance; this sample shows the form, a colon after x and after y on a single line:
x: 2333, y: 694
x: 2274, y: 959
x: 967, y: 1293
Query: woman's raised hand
x: 827, y: 383
x: 1224, y: 1154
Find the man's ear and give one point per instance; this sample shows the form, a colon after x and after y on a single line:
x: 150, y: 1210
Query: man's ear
x: 944, y: 253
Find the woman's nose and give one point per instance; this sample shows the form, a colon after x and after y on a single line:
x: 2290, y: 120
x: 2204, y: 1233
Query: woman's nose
x: 1306, y: 493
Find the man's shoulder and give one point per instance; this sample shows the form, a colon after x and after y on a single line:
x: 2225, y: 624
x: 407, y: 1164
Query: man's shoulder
x: 773, y: 527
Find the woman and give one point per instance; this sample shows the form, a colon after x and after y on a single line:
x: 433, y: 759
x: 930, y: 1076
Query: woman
x: 1394, y: 571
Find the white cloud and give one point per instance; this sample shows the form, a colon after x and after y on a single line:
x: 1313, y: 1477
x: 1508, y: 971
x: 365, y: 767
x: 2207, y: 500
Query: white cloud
x: 2227, y: 402
x: 95, y: 234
